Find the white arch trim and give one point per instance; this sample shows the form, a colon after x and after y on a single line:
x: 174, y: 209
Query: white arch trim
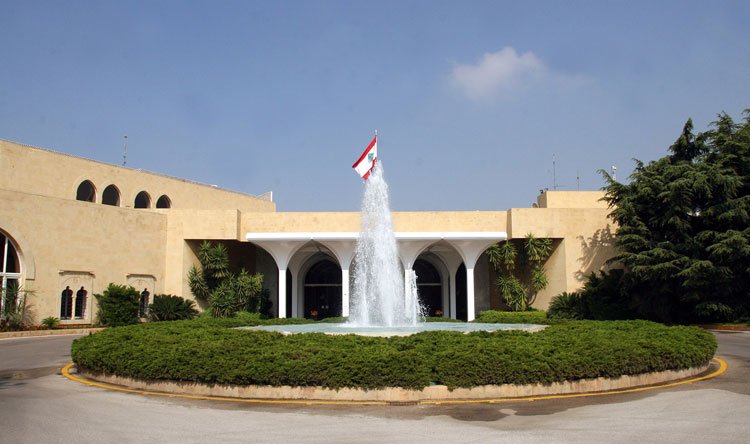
x: 495, y: 236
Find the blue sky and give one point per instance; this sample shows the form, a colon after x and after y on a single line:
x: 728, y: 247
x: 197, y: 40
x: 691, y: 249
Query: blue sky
x: 471, y: 99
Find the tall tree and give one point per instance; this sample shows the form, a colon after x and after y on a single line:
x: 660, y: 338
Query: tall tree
x: 684, y: 221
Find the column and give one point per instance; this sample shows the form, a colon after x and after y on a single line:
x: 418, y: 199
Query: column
x: 295, y: 294
x: 282, y: 293
x: 470, y: 294
x: 452, y: 299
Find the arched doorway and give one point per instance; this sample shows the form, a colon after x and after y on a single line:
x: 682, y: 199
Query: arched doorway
x: 10, y: 274
x: 430, y: 287
x: 322, y: 292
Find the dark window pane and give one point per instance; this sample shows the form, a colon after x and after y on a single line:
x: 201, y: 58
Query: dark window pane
x: 164, y: 202
x: 86, y: 192
x: 111, y: 196
x: 142, y: 200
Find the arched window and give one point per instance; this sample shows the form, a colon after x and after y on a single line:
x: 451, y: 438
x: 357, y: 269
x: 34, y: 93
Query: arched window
x: 66, y: 304
x: 86, y: 192
x: 142, y: 200
x: 164, y: 202
x: 80, y: 306
x: 430, y: 287
x: 10, y: 274
x: 323, y: 290
x: 111, y: 196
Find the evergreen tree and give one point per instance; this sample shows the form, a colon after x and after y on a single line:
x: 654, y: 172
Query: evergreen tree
x: 684, y: 226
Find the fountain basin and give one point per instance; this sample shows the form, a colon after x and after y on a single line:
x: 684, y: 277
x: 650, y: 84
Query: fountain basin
x: 349, y: 329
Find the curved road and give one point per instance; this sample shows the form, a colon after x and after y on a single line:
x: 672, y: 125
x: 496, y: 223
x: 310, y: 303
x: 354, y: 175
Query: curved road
x: 37, y: 404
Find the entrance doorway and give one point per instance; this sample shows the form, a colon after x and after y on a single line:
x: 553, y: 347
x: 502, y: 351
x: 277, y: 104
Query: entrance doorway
x: 430, y: 287
x: 323, y: 290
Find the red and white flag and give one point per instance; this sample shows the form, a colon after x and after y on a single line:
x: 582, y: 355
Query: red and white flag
x: 366, y: 162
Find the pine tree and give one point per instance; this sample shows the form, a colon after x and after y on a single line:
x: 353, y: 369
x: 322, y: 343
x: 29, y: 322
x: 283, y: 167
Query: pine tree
x: 684, y: 220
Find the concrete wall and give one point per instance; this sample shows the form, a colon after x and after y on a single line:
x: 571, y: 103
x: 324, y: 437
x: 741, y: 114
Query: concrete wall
x: 64, y: 241
x: 48, y: 173
x: 571, y: 199
x: 584, y: 240
x: 404, y: 221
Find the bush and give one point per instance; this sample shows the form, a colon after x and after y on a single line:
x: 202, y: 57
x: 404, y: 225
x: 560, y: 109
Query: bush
x: 17, y: 314
x: 50, y: 322
x: 440, y: 319
x: 209, y: 353
x: 567, y: 306
x: 512, y: 317
x: 118, y: 305
x: 236, y: 293
x: 603, y: 298
x: 167, y: 307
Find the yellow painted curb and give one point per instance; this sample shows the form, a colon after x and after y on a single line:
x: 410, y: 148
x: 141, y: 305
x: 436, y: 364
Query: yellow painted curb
x: 66, y: 372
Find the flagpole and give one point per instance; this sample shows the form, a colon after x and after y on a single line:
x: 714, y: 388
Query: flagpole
x: 376, y: 141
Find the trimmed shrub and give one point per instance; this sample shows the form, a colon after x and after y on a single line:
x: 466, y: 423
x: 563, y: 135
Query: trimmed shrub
x: 512, y: 317
x: 167, y: 307
x: 118, y: 305
x: 209, y: 353
x: 440, y: 319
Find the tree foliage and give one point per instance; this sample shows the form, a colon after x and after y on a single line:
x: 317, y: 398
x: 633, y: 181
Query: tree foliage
x: 167, y: 307
x: 226, y: 292
x: 684, y: 226
x: 517, y: 294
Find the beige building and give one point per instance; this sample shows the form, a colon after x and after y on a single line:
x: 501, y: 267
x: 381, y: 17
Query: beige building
x: 70, y: 226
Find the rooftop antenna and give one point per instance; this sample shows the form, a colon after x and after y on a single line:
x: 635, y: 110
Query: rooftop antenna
x: 554, y: 174
x: 125, y: 150
x: 614, y: 172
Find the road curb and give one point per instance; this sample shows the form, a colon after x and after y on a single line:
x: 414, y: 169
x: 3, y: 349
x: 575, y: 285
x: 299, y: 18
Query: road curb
x: 37, y: 333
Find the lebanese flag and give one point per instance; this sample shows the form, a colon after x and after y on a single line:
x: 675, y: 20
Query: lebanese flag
x: 366, y: 162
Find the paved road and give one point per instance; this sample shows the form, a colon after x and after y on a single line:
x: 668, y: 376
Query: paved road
x: 39, y: 405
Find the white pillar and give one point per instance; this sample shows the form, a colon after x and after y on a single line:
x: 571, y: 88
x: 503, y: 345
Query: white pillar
x: 295, y: 295
x: 470, y: 294
x: 282, y: 293
x: 344, y: 291
x: 452, y: 301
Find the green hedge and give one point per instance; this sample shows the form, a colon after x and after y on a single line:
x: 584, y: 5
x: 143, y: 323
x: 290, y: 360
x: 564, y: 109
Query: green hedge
x: 208, y: 352
x: 513, y: 317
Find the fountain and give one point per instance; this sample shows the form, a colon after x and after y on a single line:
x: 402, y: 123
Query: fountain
x: 383, y: 302
x: 381, y: 298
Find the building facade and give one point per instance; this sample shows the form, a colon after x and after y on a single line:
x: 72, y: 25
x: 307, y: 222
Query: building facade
x: 70, y: 226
